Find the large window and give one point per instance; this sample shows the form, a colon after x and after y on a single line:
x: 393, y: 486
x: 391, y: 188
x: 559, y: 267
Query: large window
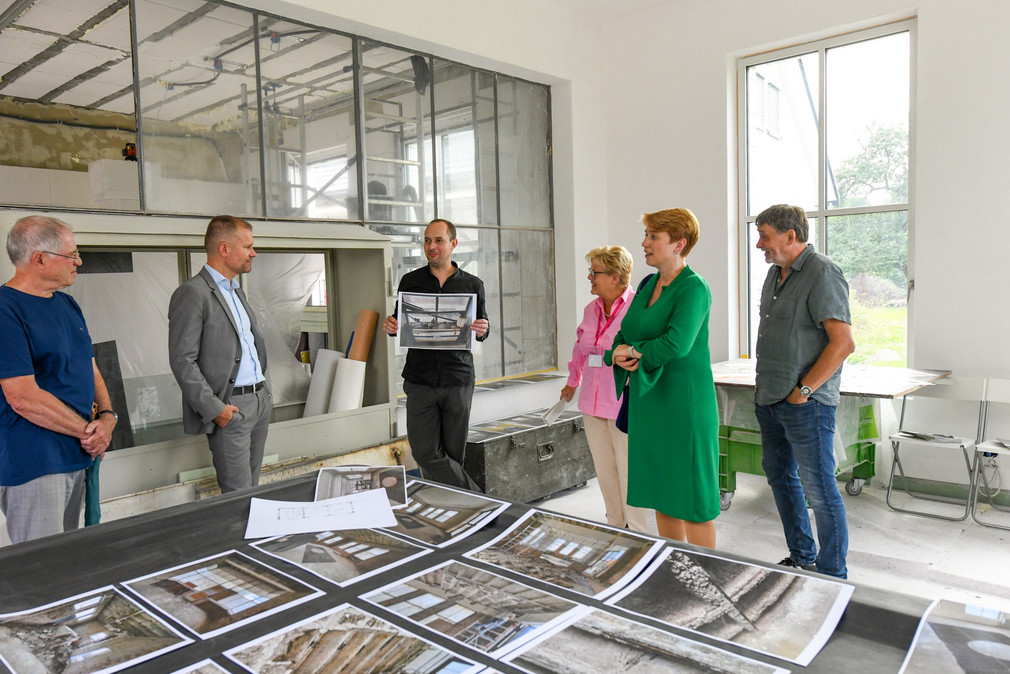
x: 825, y: 126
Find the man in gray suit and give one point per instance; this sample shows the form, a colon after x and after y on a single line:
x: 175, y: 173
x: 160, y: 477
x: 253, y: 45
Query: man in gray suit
x: 219, y: 358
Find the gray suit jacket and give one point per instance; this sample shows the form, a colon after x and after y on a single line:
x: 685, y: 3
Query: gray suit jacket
x: 204, y: 350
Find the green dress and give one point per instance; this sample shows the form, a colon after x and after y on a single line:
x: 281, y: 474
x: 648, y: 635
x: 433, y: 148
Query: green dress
x: 673, y: 421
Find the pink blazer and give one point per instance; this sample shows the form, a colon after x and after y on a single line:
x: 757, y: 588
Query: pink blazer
x: 595, y: 335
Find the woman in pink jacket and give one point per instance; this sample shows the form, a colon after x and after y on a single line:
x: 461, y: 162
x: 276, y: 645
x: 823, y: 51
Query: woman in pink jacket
x: 609, y: 275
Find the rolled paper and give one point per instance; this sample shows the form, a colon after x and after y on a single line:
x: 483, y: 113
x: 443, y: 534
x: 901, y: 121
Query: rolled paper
x: 321, y: 382
x: 348, y: 386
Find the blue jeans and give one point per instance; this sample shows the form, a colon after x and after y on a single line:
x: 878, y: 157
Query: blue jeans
x: 797, y: 454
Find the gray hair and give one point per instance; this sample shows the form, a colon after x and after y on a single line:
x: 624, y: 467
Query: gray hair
x: 783, y: 217
x: 34, y: 233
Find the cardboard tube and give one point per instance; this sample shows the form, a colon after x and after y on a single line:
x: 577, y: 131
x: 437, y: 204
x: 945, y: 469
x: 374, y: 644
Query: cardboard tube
x: 363, y: 334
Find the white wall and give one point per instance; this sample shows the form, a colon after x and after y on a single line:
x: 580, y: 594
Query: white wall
x: 671, y: 142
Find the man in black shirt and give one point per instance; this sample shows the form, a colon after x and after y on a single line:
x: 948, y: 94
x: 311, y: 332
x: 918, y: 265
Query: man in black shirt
x: 439, y: 383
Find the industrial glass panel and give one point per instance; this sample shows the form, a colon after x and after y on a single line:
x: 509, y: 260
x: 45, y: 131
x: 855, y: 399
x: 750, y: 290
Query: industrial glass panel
x: 307, y: 81
x: 464, y: 144
x: 867, y: 122
x: 872, y: 250
x: 477, y: 253
x: 398, y: 158
x: 782, y: 112
x: 66, y: 97
x: 528, y: 329
x: 124, y: 297
x: 524, y: 153
x: 198, y: 107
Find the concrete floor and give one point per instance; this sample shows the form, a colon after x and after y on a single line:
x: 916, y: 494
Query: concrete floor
x: 959, y: 561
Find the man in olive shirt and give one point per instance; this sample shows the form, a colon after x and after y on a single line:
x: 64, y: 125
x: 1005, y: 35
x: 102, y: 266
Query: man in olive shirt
x: 803, y: 339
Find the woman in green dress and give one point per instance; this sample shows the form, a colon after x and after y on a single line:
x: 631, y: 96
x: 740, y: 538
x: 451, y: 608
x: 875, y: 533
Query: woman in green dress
x: 662, y: 351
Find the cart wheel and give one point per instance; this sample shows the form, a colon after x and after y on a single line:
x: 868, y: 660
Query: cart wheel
x: 854, y: 487
x: 725, y: 499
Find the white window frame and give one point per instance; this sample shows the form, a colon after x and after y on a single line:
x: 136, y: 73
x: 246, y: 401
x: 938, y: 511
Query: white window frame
x: 821, y: 214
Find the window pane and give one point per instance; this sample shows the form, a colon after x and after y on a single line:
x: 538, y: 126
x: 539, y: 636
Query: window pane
x: 66, y: 82
x: 528, y: 330
x: 198, y: 107
x: 867, y: 122
x: 524, y: 153
x: 128, y: 305
x: 872, y: 251
x: 477, y: 253
x: 398, y: 155
x: 464, y: 144
x: 782, y: 133
x: 308, y: 121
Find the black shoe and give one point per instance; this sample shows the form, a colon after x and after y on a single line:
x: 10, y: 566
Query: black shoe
x: 791, y: 563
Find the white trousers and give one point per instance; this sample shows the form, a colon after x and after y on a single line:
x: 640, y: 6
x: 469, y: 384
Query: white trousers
x: 609, y: 448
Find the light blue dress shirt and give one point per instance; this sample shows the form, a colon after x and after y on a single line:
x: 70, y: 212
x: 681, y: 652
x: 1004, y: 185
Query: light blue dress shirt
x: 249, y: 371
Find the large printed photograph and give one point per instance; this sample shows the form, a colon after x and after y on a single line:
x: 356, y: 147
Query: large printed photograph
x: 775, y: 612
x: 436, y: 320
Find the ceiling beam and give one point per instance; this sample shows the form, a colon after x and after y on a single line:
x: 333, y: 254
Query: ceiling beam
x: 62, y: 43
x: 14, y: 12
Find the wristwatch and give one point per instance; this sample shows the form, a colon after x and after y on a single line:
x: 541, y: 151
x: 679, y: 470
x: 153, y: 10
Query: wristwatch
x: 114, y: 415
x: 805, y: 391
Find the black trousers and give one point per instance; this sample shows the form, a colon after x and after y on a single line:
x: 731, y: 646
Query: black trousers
x: 438, y: 419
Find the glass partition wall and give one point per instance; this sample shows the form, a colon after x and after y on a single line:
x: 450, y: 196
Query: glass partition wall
x: 229, y: 110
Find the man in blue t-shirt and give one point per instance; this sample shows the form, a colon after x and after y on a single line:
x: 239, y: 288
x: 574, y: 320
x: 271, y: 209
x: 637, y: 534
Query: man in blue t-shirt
x: 50, y: 382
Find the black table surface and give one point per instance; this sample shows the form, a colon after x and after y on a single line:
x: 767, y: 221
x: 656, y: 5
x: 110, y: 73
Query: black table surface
x: 873, y: 635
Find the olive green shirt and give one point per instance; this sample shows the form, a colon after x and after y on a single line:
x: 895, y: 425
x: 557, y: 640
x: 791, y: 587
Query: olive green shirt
x: 791, y: 334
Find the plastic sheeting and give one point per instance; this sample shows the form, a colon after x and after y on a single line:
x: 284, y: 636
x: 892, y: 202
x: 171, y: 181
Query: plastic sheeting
x: 131, y: 308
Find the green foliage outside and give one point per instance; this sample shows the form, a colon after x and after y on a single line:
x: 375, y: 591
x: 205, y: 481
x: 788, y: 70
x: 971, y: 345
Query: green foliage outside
x: 872, y: 249
x: 879, y: 333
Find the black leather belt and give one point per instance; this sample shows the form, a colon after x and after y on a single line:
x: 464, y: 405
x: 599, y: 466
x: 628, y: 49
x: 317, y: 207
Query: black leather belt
x: 246, y: 390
